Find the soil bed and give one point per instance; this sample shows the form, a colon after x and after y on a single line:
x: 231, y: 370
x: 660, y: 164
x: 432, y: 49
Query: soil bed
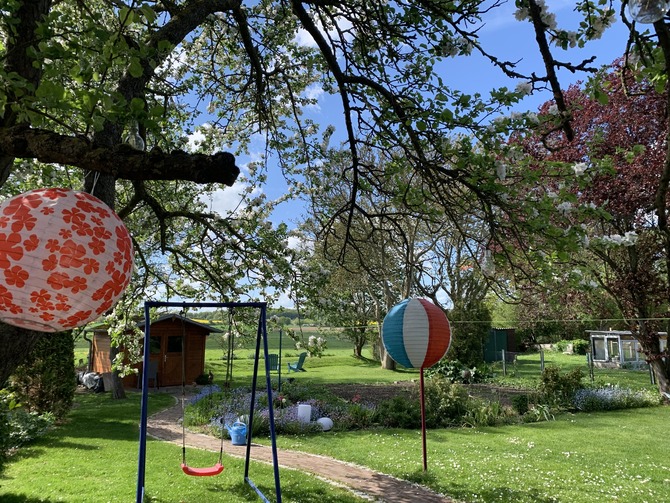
x: 376, y: 393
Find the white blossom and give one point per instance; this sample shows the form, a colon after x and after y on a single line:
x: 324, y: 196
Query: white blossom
x: 629, y: 239
x: 501, y: 171
x: 549, y: 18
x: 524, y: 88
x: 522, y: 14
x: 600, y: 24
x: 579, y: 168
x: 565, y: 207
x: 532, y: 118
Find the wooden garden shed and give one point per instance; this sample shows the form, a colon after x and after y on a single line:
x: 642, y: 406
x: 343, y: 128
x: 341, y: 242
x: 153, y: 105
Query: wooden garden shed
x: 165, y: 350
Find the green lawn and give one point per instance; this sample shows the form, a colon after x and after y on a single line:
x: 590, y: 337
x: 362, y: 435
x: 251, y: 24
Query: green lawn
x: 92, y: 458
x: 582, y: 458
x: 598, y: 457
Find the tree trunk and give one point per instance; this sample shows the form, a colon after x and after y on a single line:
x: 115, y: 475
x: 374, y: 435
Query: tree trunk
x: 358, y: 348
x: 15, y: 346
x: 661, y: 370
x: 104, y: 188
x: 388, y: 363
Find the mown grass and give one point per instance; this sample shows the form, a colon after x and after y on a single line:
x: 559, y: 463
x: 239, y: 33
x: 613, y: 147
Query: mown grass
x: 578, y: 458
x: 581, y: 458
x: 93, y: 458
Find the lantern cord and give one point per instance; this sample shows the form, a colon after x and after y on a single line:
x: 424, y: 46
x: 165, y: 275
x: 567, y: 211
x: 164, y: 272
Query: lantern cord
x: 197, y: 472
x: 96, y: 176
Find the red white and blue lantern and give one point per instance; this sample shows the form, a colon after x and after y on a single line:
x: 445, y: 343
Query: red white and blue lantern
x: 416, y: 333
x: 65, y: 259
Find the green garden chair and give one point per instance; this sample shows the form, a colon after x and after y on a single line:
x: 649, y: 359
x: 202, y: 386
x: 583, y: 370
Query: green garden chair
x: 297, y: 366
x: 273, y: 362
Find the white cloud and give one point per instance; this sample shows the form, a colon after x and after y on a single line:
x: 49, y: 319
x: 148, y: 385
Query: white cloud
x: 283, y: 301
x: 304, y: 39
x: 228, y: 200
x: 194, y: 140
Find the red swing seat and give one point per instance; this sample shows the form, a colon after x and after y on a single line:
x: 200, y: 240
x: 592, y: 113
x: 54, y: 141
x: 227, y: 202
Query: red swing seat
x: 202, y: 472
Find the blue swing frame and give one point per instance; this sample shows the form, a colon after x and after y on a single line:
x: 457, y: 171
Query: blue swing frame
x: 261, y: 335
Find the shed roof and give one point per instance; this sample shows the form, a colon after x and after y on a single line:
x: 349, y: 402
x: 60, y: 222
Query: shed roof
x: 616, y: 332
x: 188, y: 321
x: 102, y: 327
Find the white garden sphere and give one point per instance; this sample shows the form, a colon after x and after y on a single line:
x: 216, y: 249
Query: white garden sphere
x: 326, y: 423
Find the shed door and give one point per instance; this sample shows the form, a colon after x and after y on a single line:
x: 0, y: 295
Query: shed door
x: 171, y: 371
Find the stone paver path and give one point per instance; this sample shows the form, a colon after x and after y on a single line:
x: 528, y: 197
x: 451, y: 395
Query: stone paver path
x: 166, y: 426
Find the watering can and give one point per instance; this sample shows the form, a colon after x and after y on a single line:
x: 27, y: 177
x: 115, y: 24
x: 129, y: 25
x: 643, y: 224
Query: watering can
x: 238, y: 433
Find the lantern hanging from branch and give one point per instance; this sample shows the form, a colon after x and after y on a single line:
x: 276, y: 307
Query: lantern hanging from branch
x: 416, y: 334
x: 65, y: 259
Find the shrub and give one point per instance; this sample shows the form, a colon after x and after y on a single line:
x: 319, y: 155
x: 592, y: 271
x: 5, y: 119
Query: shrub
x: 446, y: 403
x: 562, y: 345
x: 559, y: 389
x: 580, y: 346
x: 457, y: 372
x: 4, y: 429
x: 537, y: 413
x: 520, y: 404
x: 27, y: 426
x: 612, y: 398
x: 485, y: 413
x: 17, y: 425
x: 398, y: 412
x: 48, y: 381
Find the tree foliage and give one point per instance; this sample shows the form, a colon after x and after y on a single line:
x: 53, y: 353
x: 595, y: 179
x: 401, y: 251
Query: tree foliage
x: 615, y: 198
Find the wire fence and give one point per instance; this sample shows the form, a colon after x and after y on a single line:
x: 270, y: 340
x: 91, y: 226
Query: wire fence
x: 525, y: 363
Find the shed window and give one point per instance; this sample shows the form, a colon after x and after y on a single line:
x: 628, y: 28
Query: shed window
x: 155, y: 345
x: 174, y: 344
x: 629, y: 349
x: 598, y: 348
x: 613, y: 348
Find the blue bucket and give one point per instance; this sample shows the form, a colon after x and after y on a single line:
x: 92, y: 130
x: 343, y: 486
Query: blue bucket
x: 238, y: 433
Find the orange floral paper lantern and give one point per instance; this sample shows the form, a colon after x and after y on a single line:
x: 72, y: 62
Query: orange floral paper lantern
x: 65, y: 259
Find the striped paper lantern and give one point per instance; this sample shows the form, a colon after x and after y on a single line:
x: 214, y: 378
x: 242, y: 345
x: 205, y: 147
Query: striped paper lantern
x: 416, y: 333
x: 65, y: 259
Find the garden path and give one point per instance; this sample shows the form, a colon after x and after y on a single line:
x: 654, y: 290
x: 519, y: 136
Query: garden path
x: 379, y: 487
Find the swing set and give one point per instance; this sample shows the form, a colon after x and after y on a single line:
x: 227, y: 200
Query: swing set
x: 217, y: 468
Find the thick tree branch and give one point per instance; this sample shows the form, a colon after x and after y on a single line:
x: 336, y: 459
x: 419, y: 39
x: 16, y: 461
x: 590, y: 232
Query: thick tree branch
x: 121, y: 160
x: 550, y: 64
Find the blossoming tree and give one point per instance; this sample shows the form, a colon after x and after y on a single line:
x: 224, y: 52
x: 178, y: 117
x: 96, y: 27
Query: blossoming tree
x: 610, y: 198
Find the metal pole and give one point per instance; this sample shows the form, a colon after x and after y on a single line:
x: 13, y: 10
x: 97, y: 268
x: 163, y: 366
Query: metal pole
x: 504, y: 362
x: 142, y: 456
x: 279, y: 369
x: 423, y: 424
